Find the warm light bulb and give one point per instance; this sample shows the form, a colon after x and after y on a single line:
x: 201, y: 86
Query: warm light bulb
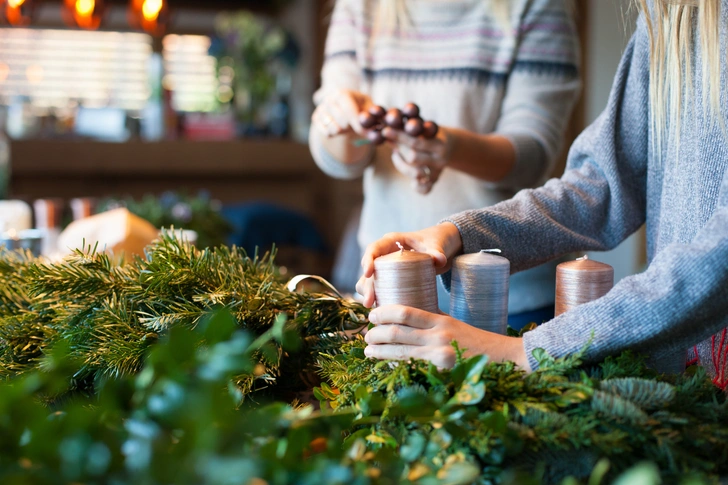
x: 151, y: 9
x: 85, y: 8
x: 15, y: 3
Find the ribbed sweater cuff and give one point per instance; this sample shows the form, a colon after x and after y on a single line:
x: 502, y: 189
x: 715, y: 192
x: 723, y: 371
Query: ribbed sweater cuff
x: 465, y: 226
x: 334, y: 167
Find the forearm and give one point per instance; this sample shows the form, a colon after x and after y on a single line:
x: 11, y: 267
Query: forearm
x: 489, y: 157
x: 338, y: 156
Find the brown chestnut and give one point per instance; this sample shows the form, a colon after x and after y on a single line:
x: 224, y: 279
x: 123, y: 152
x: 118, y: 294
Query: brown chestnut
x: 377, y: 111
x: 430, y: 129
x: 394, y: 119
x: 367, y: 120
x: 375, y: 136
x: 411, y: 110
x: 414, y: 127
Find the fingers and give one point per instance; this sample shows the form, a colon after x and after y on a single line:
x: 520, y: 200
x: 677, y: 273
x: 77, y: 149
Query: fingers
x: 421, y: 175
x: 405, y: 168
x: 423, y: 186
x: 430, y: 241
x: 416, y: 143
x: 340, y: 119
x: 404, y: 315
x: 394, y: 334
x: 386, y: 245
x: 365, y: 287
x: 325, y: 121
x: 442, y: 357
x: 349, y: 107
x: 339, y: 113
x: 391, y: 352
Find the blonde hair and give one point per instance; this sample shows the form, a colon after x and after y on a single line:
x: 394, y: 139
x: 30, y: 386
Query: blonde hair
x: 672, y: 33
x: 393, y: 14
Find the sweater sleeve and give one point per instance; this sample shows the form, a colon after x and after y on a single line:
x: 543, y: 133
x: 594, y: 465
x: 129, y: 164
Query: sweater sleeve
x: 340, y: 71
x: 541, y: 91
x: 600, y: 199
x: 680, y: 300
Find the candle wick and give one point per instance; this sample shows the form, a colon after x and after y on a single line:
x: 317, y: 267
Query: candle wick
x: 497, y: 251
x: 401, y: 248
x: 583, y: 258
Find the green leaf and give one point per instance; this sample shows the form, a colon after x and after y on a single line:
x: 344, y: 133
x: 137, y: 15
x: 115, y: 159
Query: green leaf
x: 413, y: 447
x: 468, y: 395
x: 459, y: 473
x: 527, y: 328
x: 600, y: 471
x: 382, y: 438
x: 641, y: 474
x: 218, y: 325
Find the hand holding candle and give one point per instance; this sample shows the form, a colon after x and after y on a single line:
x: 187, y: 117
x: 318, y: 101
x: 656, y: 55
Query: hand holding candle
x: 406, y: 277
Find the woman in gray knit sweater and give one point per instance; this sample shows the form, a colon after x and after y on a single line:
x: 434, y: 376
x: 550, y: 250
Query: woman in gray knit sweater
x: 657, y: 154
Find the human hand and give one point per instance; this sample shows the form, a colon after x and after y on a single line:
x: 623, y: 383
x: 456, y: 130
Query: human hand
x: 403, y: 333
x: 442, y: 242
x: 419, y: 158
x: 339, y: 112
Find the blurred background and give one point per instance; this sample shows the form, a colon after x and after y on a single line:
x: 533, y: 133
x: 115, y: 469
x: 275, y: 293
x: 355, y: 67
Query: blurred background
x: 196, y: 113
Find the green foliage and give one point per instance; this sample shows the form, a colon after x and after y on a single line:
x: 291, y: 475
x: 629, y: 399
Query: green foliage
x: 561, y: 419
x: 650, y: 395
x: 109, y: 315
x: 174, y: 422
x: 181, y: 211
x: 167, y: 370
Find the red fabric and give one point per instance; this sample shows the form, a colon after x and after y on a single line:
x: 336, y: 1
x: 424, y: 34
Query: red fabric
x: 720, y: 358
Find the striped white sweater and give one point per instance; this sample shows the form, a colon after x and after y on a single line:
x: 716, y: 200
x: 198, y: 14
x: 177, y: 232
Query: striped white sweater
x: 465, y: 69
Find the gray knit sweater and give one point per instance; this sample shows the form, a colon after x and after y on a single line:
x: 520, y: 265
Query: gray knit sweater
x: 613, y: 184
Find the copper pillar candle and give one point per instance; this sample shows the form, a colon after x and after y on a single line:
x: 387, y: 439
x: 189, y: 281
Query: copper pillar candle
x: 406, y: 278
x: 581, y: 281
x: 479, y: 290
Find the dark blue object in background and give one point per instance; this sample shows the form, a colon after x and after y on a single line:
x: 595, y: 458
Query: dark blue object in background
x: 260, y: 224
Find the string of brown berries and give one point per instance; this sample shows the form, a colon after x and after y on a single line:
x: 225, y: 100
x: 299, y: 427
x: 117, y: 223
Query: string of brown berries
x: 408, y: 119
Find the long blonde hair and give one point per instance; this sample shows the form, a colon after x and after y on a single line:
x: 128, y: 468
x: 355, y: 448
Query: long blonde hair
x: 672, y: 32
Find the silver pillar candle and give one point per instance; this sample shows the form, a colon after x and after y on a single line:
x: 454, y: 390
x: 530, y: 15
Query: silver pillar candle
x: 581, y: 281
x: 406, y: 278
x: 479, y: 290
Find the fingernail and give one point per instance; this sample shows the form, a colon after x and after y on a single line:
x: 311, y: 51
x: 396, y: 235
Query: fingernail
x: 373, y: 317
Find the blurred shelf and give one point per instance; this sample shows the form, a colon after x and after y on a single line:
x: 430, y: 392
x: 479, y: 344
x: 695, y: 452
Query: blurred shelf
x: 176, y: 158
x: 278, y: 172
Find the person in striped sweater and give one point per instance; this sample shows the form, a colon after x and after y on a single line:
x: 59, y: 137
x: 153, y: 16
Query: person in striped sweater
x: 500, y: 77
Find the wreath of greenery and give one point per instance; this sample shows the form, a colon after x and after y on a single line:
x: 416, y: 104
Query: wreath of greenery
x: 184, y: 367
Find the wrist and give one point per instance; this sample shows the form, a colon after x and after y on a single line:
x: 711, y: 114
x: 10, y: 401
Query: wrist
x: 449, y: 140
x: 453, y: 242
x: 518, y: 354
